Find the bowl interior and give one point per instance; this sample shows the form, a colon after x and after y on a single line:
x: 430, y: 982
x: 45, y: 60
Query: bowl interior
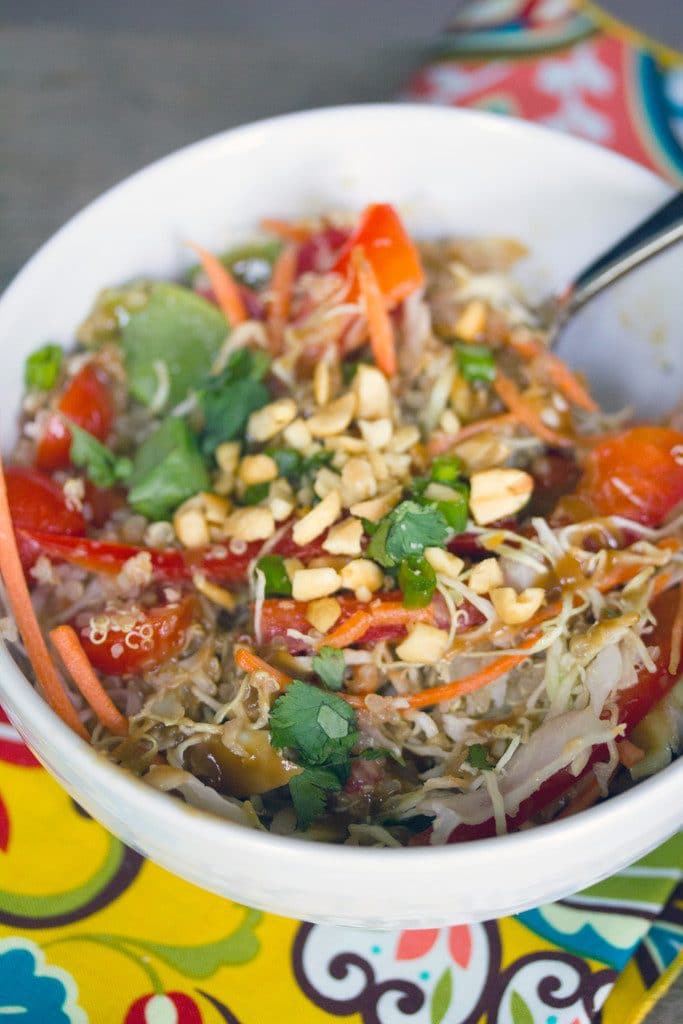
x: 449, y: 172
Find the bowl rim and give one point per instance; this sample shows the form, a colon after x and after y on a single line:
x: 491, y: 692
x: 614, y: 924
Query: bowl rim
x: 22, y: 699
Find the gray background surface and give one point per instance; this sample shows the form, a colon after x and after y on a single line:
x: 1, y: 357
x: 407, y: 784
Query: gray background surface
x: 91, y: 90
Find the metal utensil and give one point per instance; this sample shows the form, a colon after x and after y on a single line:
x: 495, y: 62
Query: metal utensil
x: 658, y: 231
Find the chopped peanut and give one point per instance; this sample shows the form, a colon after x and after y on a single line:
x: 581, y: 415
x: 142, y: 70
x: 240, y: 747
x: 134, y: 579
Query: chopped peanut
x: 496, y: 493
x: 228, y: 455
x: 345, y: 538
x: 372, y: 391
x: 405, y: 438
x: 513, y: 608
x: 271, y: 419
x: 297, y: 435
x: 376, y: 433
x: 379, y: 465
x: 362, y: 573
x: 486, y: 576
x: 280, y: 500
x: 257, y: 469
x: 292, y: 565
x: 346, y: 443
x: 317, y: 520
x: 217, y: 594
x: 484, y: 451
x: 323, y: 613
x: 471, y: 323
x: 358, y: 481
x: 191, y: 527
x: 444, y: 562
x: 309, y: 584
x: 449, y: 422
x: 322, y: 382
x: 249, y: 524
x: 377, y: 507
x: 326, y: 481
x: 424, y: 645
x: 333, y: 418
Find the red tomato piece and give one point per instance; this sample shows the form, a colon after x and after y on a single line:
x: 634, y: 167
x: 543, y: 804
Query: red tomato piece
x: 159, y: 634
x: 88, y: 402
x: 637, y: 474
x: 389, y: 250
x: 38, y: 503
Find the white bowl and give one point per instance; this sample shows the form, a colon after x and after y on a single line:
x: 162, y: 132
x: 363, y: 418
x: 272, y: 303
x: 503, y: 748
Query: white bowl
x: 450, y: 172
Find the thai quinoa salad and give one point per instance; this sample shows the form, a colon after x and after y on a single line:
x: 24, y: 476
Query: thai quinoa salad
x: 327, y: 541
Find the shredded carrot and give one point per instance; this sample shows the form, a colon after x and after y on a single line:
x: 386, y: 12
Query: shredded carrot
x: 585, y: 798
x: 629, y: 753
x: 562, y: 377
x: 509, y: 393
x: 287, y: 229
x: 250, y: 662
x: 224, y: 287
x: 20, y: 603
x: 70, y: 650
x: 440, y: 442
x: 350, y: 631
x: 281, y: 287
x: 471, y: 683
x: 379, y: 323
x: 676, y: 638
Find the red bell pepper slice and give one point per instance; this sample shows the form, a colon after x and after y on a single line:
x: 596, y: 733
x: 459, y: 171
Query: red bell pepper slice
x: 88, y: 402
x: 389, y: 250
x: 217, y: 562
x: 161, y: 633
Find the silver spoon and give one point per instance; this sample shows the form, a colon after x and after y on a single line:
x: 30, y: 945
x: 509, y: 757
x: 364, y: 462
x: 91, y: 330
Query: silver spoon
x: 658, y: 231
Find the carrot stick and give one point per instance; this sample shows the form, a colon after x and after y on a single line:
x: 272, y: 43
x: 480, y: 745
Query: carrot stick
x: 20, y: 603
x: 558, y: 371
x: 350, y: 631
x: 224, y: 287
x: 281, y: 287
x: 471, y: 683
x: 676, y: 638
x: 250, y: 662
x: 287, y: 229
x: 509, y: 393
x: 379, y: 323
x: 70, y: 650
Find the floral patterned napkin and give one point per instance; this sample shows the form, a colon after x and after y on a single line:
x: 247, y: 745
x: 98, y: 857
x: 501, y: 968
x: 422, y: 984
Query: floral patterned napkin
x: 92, y: 934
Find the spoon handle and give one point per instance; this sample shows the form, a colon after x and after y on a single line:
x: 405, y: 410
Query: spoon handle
x: 661, y: 229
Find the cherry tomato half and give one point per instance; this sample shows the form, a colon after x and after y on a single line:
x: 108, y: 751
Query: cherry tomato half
x: 159, y: 634
x: 87, y: 401
x: 38, y: 503
x: 637, y: 474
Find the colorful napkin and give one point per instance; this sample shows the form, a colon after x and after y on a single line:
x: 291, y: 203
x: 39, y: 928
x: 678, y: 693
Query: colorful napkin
x: 90, y: 933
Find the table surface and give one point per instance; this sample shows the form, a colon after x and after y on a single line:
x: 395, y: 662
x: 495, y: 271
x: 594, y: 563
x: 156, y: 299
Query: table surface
x: 90, y: 91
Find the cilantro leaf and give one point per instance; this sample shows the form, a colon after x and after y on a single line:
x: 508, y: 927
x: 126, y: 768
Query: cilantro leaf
x: 478, y: 757
x: 329, y: 664
x: 42, y: 367
x: 406, y: 532
x: 167, y: 469
x: 318, y: 725
x: 378, y: 753
x: 101, y: 465
x: 309, y: 792
x: 228, y: 399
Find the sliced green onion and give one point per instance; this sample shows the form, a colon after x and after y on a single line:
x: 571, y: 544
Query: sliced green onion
x: 452, y: 502
x: 42, y: 367
x: 417, y: 580
x: 476, y: 362
x: 445, y: 469
x: 278, y: 583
